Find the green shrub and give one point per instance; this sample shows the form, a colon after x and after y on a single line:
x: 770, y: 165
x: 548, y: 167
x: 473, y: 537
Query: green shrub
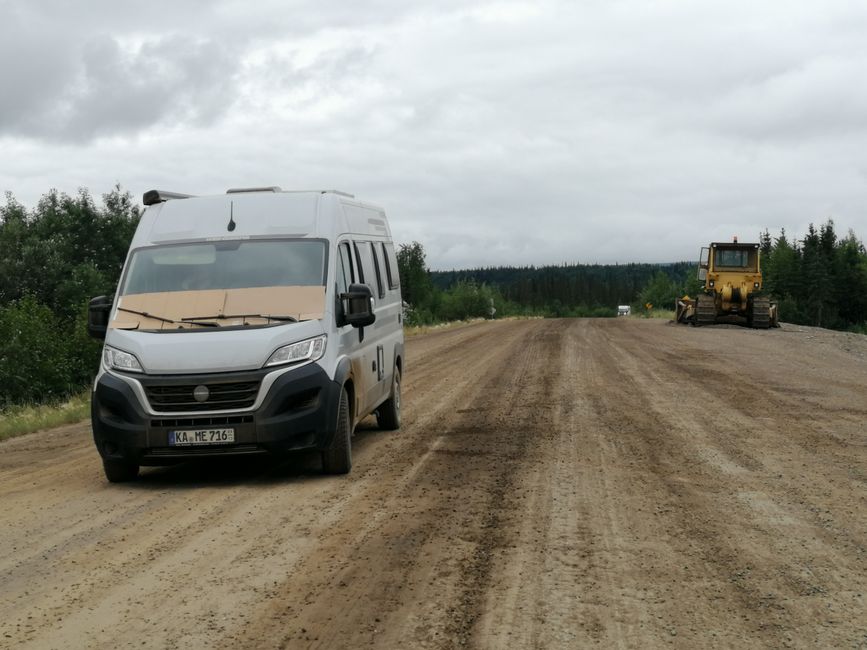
x: 42, y: 357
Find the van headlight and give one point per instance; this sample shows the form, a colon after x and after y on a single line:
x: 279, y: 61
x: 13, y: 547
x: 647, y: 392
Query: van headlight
x: 115, y: 359
x: 309, y: 350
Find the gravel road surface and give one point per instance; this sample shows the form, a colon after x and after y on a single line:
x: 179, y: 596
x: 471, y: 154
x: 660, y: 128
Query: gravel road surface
x: 556, y: 484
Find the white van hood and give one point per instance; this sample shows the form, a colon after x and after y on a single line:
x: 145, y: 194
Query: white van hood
x: 210, y: 350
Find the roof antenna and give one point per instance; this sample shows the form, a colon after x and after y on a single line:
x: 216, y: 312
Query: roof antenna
x: 232, y: 224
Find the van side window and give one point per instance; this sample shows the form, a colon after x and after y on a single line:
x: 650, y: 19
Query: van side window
x: 360, y: 263
x: 380, y: 287
x: 344, y: 268
x: 388, y: 256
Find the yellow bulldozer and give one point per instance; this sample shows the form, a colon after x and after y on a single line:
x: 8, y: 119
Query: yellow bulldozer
x: 732, y: 277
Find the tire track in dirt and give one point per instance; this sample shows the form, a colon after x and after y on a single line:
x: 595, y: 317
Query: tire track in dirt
x: 550, y: 592
x: 749, y: 544
x: 556, y: 484
x: 687, y: 510
x: 162, y: 554
x: 413, y: 576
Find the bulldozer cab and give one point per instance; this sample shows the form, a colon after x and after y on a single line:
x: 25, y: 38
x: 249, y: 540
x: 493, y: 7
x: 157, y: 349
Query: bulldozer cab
x: 725, y: 256
x: 731, y: 271
x: 735, y: 257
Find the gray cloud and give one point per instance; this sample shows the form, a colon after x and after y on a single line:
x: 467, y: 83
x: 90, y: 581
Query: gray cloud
x: 35, y: 64
x: 494, y: 132
x: 102, y: 89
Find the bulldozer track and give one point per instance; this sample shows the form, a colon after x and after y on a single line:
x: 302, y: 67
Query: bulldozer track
x: 760, y: 312
x: 705, y: 310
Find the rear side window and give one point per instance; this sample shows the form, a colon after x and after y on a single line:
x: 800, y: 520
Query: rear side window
x: 361, y: 263
x: 390, y: 265
x: 379, y: 285
x: 344, y: 268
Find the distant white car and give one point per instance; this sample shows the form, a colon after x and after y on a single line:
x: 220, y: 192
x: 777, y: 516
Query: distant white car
x: 624, y: 310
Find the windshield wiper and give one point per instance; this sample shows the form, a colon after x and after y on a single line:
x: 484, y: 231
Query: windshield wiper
x: 286, y: 319
x: 183, y: 321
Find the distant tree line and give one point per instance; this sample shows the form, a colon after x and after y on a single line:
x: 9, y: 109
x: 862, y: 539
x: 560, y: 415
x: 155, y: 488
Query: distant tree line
x: 53, y: 259
x: 567, y: 289
x: 820, y: 280
x: 549, y: 291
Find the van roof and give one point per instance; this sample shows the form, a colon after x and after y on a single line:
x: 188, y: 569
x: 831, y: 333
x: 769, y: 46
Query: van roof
x: 152, y: 197
x: 257, y: 213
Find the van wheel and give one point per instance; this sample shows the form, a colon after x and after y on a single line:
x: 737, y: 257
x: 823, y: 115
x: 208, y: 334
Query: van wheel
x: 337, y: 459
x: 388, y: 414
x: 118, y: 471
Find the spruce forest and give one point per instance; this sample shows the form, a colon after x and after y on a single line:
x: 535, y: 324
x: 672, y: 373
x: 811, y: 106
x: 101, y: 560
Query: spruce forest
x: 68, y: 249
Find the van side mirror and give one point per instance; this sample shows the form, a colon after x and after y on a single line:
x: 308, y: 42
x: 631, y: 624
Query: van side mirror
x: 358, y: 305
x: 97, y: 316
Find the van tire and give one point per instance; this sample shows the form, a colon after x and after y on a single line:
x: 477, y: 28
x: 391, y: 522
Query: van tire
x: 388, y: 414
x: 337, y: 459
x: 118, y: 471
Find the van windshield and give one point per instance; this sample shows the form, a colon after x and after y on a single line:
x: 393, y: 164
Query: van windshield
x: 226, y: 265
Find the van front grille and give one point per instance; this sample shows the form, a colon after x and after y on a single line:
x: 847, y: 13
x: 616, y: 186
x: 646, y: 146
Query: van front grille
x: 154, y: 452
x: 188, y: 397
x: 201, y: 422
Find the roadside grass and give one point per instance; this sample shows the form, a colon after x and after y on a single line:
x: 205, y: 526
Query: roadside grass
x: 417, y: 330
x: 667, y: 314
x: 18, y: 420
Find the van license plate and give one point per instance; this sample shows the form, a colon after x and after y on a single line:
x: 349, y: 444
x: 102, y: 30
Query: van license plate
x: 201, y: 437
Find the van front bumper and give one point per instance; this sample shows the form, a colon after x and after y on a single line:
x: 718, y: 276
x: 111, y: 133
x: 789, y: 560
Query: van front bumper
x: 298, y: 412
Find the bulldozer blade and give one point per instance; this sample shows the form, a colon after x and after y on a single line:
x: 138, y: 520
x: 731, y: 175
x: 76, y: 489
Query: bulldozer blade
x: 684, y: 308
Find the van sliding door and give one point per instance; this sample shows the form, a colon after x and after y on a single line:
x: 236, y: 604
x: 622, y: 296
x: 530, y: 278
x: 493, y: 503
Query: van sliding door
x: 374, y: 364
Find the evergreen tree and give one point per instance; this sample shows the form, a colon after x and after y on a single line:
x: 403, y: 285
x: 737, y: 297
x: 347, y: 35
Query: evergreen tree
x: 817, y: 280
x: 781, y: 269
x: 415, y: 284
x: 851, y: 276
x: 765, y: 243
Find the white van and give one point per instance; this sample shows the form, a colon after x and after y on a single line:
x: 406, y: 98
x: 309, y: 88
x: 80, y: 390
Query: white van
x: 257, y: 321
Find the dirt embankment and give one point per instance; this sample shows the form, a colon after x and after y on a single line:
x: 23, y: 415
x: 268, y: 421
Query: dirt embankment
x: 556, y: 484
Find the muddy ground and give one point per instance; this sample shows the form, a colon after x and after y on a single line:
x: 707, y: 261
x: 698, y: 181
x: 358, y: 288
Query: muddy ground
x: 556, y: 484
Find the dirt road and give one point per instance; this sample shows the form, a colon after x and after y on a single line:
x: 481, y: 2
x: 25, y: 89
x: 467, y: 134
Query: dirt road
x: 556, y: 484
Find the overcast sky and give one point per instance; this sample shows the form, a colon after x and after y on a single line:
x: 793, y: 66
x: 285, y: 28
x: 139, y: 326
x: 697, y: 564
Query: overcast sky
x: 492, y: 132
